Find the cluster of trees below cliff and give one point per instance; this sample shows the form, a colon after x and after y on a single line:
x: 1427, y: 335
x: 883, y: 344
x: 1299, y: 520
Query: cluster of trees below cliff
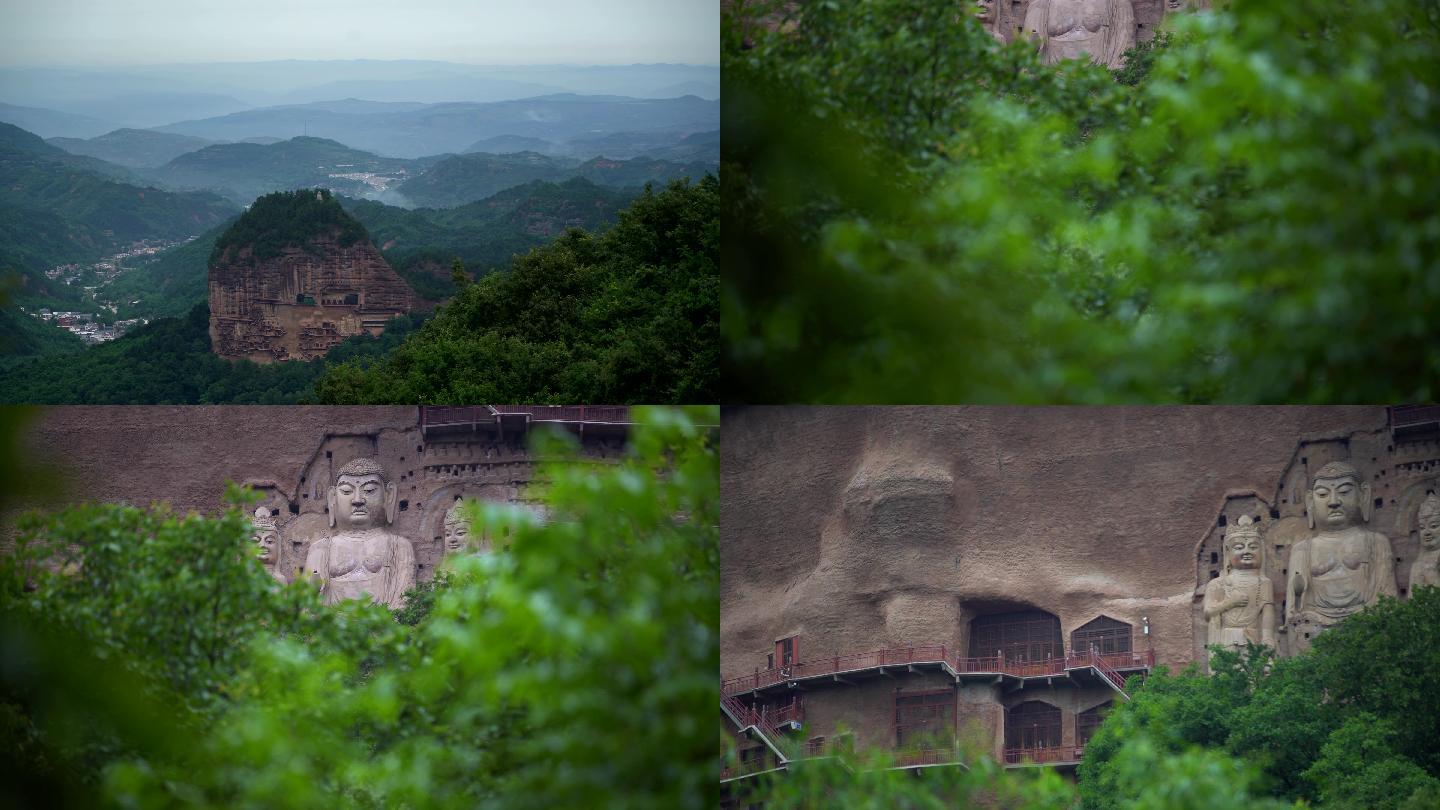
x: 630, y: 315
x: 150, y: 662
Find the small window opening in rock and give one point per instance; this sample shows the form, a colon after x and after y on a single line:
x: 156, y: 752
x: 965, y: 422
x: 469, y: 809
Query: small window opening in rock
x: 1214, y: 558
x: 295, y: 544
x: 305, y: 495
x: 1379, y: 502
x: 1390, y: 449
x: 302, y: 479
x: 419, y: 448
x: 274, y: 513
x: 1305, y: 461
x: 1279, y: 548
x: 1214, y: 574
x: 1222, y: 520
x: 404, y: 505
x: 328, y: 454
x: 295, y: 508
x: 1397, y: 559
x: 1274, y: 514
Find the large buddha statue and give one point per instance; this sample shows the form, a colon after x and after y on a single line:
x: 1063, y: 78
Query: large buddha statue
x: 1342, y: 567
x: 267, y: 538
x: 1240, y: 603
x: 362, y: 559
x: 1098, y: 30
x: 1425, y: 571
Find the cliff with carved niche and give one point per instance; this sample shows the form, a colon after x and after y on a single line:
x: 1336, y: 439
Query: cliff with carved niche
x: 296, y: 276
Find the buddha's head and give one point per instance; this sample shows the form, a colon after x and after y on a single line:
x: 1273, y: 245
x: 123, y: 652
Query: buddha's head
x: 363, y: 496
x: 457, y: 528
x: 1429, y: 522
x: 265, y: 535
x: 1338, y: 498
x: 1243, y: 548
x: 985, y: 11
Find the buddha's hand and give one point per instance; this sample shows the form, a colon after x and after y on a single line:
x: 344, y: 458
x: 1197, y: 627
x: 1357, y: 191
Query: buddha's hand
x: 1238, y: 600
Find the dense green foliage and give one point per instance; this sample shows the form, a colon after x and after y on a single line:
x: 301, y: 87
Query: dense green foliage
x: 1251, y: 213
x: 571, y: 669
x: 23, y: 336
x: 287, y: 219
x: 244, y: 171
x: 1355, y: 723
x: 465, y: 178
x: 169, y: 361
x: 485, y: 235
x: 627, y: 316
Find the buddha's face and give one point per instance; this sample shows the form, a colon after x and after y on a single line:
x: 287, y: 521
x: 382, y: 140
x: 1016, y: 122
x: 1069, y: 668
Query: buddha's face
x: 1335, y: 502
x: 1430, y: 531
x: 985, y: 10
x: 359, y: 501
x: 457, y: 535
x: 1244, y: 552
x: 265, y: 542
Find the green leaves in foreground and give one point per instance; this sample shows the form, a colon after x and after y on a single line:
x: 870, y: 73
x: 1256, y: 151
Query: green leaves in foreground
x: 1251, y: 213
x: 574, y: 668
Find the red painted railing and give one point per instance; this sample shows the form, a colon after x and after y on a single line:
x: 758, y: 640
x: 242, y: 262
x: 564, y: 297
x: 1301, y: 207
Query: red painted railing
x: 935, y: 654
x: 568, y: 413
x: 747, y: 716
x: 1059, y: 753
x: 929, y: 756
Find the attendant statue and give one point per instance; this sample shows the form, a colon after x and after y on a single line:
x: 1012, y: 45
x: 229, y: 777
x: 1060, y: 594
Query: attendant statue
x: 1098, y: 30
x: 1426, y: 569
x: 985, y: 13
x: 1344, y: 566
x: 267, y: 538
x: 1240, y: 603
x: 457, y: 529
x: 362, y: 559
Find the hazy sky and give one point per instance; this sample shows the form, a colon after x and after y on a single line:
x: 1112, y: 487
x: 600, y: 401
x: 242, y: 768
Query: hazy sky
x: 111, y: 32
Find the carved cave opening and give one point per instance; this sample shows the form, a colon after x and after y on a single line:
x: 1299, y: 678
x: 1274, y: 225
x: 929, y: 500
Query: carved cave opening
x: 1032, y: 724
x: 1088, y: 721
x: 1029, y: 635
x: 924, y: 719
x: 1109, y: 636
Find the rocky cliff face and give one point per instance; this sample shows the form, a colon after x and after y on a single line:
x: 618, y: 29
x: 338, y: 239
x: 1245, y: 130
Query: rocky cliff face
x: 302, y: 303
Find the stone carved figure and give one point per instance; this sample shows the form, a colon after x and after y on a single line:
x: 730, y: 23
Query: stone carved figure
x: 267, y: 537
x: 985, y: 13
x: 363, y: 559
x: 1343, y: 566
x: 1425, y: 571
x: 457, y: 529
x: 1098, y: 30
x: 1240, y: 603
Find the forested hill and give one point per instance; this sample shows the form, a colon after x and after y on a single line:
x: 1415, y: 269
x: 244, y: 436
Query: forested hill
x: 244, y: 171
x: 631, y: 315
x: 287, y: 219
x: 61, y: 209
x: 461, y: 179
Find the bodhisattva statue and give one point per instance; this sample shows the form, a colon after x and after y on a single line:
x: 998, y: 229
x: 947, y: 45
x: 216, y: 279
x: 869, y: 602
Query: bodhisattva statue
x: 1098, y: 30
x: 363, y: 559
x: 1425, y: 572
x: 1240, y: 603
x: 457, y: 529
x: 1344, y: 566
x: 267, y: 537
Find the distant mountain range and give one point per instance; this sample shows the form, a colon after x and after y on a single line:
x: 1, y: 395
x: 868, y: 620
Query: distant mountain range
x: 53, y: 123
x: 146, y: 96
x: 454, y: 127
x: 132, y: 148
